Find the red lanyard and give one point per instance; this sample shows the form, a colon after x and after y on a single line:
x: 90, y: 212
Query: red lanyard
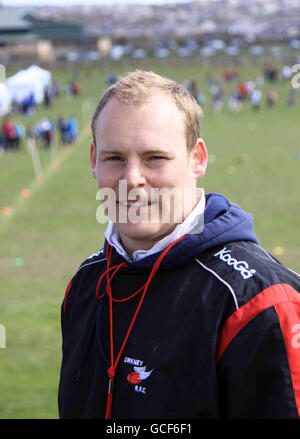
x: 113, y: 363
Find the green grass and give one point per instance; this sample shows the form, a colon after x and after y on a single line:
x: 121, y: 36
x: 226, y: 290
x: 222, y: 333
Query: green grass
x: 55, y: 228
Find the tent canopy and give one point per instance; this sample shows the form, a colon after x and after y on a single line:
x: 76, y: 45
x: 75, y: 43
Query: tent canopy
x: 27, y: 82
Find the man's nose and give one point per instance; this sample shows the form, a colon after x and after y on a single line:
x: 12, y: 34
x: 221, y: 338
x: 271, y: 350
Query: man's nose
x: 134, y: 174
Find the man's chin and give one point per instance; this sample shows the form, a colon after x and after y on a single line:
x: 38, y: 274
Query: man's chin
x: 142, y: 231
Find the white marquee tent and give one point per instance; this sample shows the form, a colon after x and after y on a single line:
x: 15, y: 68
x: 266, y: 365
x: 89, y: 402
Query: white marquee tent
x: 30, y: 81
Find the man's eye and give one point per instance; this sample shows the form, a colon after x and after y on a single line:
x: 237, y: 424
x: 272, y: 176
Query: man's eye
x: 113, y: 158
x: 157, y: 157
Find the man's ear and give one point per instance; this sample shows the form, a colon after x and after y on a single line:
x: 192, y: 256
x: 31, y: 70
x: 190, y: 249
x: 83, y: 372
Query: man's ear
x: 93, y: 158
x: 199, y: 159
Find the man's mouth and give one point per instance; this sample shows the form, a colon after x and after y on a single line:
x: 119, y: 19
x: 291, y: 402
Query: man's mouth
x: 134, y: 203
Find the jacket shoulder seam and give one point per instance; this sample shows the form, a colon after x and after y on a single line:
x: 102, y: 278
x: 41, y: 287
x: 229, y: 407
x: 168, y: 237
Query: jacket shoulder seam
x: 223, y: 281
x: 90, y: 263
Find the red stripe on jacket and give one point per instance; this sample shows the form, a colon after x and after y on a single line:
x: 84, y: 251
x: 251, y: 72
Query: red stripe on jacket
x: 286, y: 302
x: 66, y: 293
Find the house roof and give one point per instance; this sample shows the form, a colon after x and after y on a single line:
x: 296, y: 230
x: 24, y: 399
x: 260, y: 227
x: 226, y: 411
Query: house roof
x: 13, y: 19
x: 21, y: 25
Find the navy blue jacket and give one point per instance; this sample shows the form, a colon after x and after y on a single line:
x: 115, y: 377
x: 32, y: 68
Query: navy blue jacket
x: 217, y: 335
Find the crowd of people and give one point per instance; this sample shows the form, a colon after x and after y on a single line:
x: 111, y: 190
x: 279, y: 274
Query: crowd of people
x: 229, y: 88
x: 11, y: 134
x: 44, y: 132
x: 243, y: 91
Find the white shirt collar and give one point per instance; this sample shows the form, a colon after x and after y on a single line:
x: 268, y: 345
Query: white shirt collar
x: 193, y: 223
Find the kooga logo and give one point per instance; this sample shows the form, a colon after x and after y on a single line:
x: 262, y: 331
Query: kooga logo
x: 241, y: 266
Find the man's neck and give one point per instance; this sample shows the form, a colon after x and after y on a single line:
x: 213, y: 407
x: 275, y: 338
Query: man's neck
x: 132, y: 245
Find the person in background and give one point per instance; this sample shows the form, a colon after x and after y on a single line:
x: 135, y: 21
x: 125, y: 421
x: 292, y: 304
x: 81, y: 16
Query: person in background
x: 292, y: 97
x: 271, y: 98
x: 10, y: 137
x: 73, y: 129
x: 256, y: 97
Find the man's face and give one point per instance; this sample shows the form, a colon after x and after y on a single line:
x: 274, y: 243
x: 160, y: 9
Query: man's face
x: 145, y: 146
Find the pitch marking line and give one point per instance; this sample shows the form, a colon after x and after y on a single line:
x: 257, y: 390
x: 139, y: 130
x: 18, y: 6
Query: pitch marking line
x: 56, y: 161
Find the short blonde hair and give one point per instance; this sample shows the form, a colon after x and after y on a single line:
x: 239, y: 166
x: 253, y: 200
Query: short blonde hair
x: 136, y: 87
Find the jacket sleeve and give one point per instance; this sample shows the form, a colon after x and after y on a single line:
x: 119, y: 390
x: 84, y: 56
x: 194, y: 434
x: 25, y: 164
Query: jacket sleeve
x: 64, y: 304
x: 65, y: 313
x: 258, y: 357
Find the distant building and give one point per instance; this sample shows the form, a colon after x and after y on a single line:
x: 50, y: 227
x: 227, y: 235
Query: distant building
x: 23, y: 34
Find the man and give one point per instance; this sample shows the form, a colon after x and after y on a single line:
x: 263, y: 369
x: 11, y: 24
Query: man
x: 182, y: 314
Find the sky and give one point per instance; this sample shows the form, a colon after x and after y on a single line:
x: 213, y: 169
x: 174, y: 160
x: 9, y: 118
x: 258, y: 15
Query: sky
x: 82, y: 2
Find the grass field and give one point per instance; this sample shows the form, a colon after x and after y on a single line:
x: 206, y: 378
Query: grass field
x: 50, y: 232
